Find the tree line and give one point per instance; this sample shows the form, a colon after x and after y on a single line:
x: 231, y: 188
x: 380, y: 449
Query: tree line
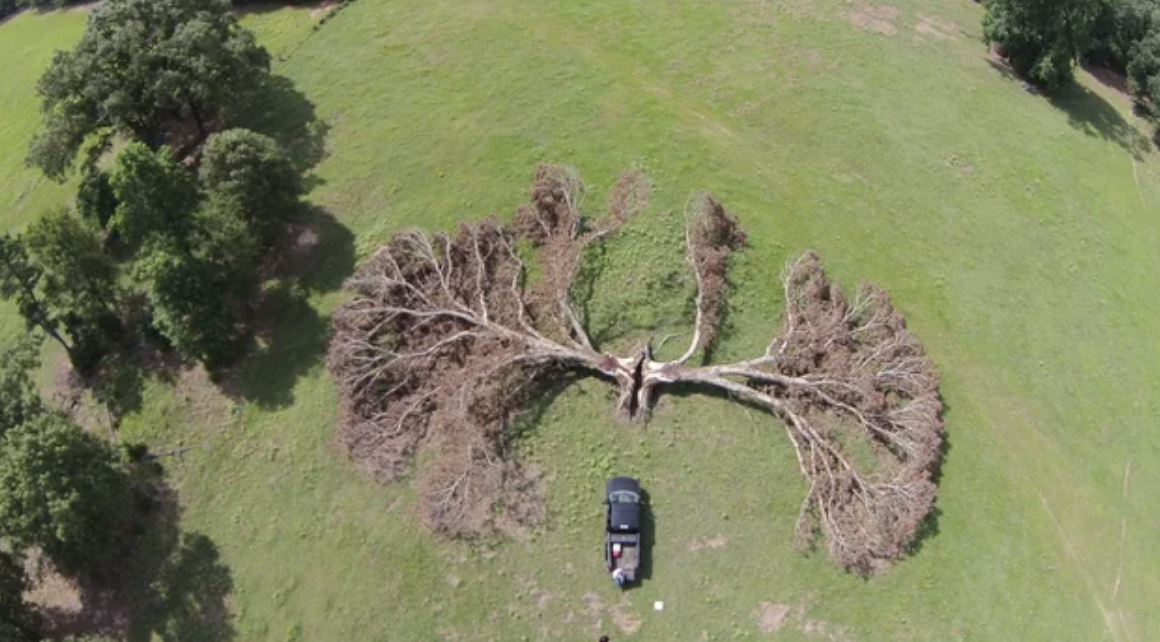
x: 1042, y: 40
x: 167, y: 241
x: 9, y: 7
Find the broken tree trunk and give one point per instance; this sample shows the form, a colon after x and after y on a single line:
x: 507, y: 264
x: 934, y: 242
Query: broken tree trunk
x: 445, y: 341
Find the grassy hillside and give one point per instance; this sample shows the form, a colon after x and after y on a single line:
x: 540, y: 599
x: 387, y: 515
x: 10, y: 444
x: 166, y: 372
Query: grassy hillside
x: 1017, y: 234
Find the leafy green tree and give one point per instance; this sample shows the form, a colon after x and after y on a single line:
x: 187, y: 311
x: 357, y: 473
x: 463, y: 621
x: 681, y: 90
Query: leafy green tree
x: 225, y: 239
x: 1117, y: 27
x: 252, y: 169
x: 96, y: 202
x: 155, y: 195
x: 143, y: 68
x: 18, y: 622
x: 19, y: 400
x: 62, y: 490
x: 20, y: 283
x: 79, y: 278
x: 185, y: 294
x: 79, y: 282
x: 1144, y: 72
x: 1040, y: 38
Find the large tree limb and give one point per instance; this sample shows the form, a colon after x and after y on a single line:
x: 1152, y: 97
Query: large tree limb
x: 442, y: 345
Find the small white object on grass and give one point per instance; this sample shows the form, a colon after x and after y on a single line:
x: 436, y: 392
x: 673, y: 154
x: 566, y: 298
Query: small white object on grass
x: 658, y: 606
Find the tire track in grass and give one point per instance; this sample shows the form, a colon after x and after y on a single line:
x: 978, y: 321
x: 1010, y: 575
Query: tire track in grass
x: 1113, y: 619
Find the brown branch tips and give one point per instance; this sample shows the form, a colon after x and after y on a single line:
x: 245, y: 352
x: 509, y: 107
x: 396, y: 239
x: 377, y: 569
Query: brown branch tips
x: 445, y: 341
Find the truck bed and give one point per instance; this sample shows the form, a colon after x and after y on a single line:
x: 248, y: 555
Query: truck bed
x: 629, y: 560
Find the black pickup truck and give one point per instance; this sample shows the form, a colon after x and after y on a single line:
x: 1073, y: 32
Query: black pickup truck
x: 622, y: 540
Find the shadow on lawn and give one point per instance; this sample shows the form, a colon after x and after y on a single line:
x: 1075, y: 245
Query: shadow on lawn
x: 290, y: 336
x: 1087, y: 112
x: 929, y: 528
x: 189, y: 596
x: 164, y: 583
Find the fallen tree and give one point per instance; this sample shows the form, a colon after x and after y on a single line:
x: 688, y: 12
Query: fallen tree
x: 447, y: 337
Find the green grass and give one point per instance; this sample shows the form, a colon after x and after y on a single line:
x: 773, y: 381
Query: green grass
x: 26, y: 45
x: 1017, y: 235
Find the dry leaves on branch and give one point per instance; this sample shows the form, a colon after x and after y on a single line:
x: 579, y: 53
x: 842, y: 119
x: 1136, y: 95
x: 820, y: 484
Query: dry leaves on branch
x: 445, y: 342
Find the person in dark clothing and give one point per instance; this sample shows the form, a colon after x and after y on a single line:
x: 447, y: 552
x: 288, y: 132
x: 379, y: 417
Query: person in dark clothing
x: 603, y: 638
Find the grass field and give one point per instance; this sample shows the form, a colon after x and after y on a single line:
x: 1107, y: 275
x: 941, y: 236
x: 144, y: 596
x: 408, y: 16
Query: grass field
x: 1017, y: 234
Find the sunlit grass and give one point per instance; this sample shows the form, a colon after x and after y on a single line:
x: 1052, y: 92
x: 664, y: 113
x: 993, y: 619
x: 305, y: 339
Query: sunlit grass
x: 1017, y: 236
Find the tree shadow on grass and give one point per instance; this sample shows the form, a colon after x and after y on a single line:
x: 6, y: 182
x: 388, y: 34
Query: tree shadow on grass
x: 929, y: 528
x: 163, y: 583
x: 291, y: 337
x: 320, y: 254
x: 1004, y: 70
x: 118, y: 383
x: 1086, y: 111
x: 1091, y: 114
x: 521, y: 426
x: 282, y: 112
x: 173, y: 579
x: 190, y: 601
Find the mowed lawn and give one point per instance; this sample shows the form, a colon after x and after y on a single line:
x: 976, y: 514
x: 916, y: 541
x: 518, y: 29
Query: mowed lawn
x: 1017, y: 234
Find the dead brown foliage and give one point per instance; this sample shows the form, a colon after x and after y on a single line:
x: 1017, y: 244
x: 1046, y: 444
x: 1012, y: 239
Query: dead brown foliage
x: 445, y: 342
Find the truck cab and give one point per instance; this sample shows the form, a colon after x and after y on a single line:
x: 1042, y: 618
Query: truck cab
x: 622, y: 537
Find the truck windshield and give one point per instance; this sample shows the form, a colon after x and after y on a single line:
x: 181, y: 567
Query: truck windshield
x: 624, y: 497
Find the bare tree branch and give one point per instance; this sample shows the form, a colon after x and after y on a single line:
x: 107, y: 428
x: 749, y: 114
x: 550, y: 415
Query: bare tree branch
x: 443, y: 344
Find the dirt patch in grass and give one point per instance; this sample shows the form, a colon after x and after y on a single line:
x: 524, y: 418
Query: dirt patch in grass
x: 771, y: 617
x: 878, y: 18
x: 541, y: 597
x: 595, y: 607
x: 937, y: 28
x: 69, y: 609
x: 625, y: 618
x: 817, y: 628
x: 715, y: 543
